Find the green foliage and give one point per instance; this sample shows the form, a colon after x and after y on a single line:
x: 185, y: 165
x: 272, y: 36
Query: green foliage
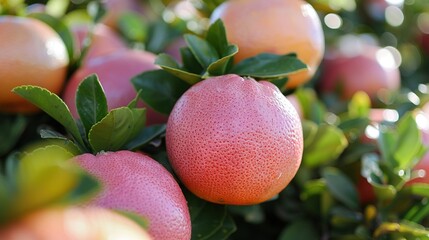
x: 41, y: 178
x: 125, y: 124
x: 204, y: 58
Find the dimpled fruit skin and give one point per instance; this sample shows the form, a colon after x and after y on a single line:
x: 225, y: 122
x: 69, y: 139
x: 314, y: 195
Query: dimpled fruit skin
x: 31, y: 53
x: 73, y: 223
x: 234, y: 141
x: 274, y: 26
x: 137, y: 183
x: 115, y: 71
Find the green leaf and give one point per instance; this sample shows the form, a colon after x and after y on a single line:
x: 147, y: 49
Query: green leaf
x: 409, y: 142
x: 113, y: 131
x: 203, y: 51
x: 216, y: 36
x: 160, y: 90
x: 408, y: 229
x: 62, y: 29
x: 208, y: 220
x: 344, y: 217
x: 221, y: 66
x: 327, y: 145
x: 57, y: 8
x: 91, y: 101
x: 359, y: 105
x: 159, y: 35
x: 386, y: 142
x: 311, y: 107
x: 11, y: 129
x: 53, y: 106
x: 96, y: 10
x: 190, y: 63
x: 87, y: 188
x: 145, y: 136
x: 341, y: 187
x: 138, y: 122
x: 133, y: 27
x: 418, y: 189
x: 280, y: 83
x: 300, y: 229
x: 266, y: 66
x: 44, y: 176
x: 167, y: 63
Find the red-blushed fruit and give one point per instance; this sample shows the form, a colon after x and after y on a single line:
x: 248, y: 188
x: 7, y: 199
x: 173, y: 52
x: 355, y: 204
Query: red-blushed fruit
x: 31, y: 53
x: 234, y: 141
x: 115, y: 72
x: 103, y: 40
x: 365, y: 190
x: 274, y: 26
x: 135, y: 182
x: 73, y: 223
x: 370, y: 70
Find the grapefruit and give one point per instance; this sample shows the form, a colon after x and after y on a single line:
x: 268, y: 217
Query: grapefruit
x: 370, y: 69
x: 274, y: 26
x: 32, y: 53
x: 115, y: 72
x: 234, y: 141
x: 137, y: 183
x: 73, y: 223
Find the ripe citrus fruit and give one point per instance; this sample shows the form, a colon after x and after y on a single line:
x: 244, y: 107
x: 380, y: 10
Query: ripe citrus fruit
x: 32, y: 53
x: 115, y: 72
x: 73, y: 223
x: 369, y: 69
x: 135, y: 182
x: 274, y: 26
x: 103, y: 41
x: 234, y: 141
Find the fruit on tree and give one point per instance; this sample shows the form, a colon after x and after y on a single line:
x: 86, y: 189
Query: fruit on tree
x: 135, y: 182
x: 115, y: 71
x: 233, y: 140
x: 274, y: 26
x: 32, y: 53
x: 370, y: 69
x: 103, y: 40
x: 73, y: 223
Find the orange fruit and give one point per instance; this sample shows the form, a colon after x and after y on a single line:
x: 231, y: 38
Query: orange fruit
x: 116, y: 8
x: 115, y: 72
x: 369, y: 69
x: 73, y: 223
x: 104, y: 40
x: 137, y: 183
x: 234, y: 141
x: 32, y: 53
x: 274, y: 26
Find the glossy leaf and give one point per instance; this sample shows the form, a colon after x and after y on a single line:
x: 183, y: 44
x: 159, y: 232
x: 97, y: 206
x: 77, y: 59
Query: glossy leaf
x: 220, y: 66
x: 216, y: 36
x: 309, y: 129
x: 160, y: 90
x: 112, y: 132
x: 145, y: 136
x: 267, y: 65
x: 167, y: 63
x: 53, y: 106
x: 91, y: 102
x: 203, y: 51
x: 327, y: 145
x: 190, y: 63
x: 138, y: 121
x: 341, y: 187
